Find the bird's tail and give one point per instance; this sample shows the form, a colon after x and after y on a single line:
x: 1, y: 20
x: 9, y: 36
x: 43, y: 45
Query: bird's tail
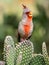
x: 18, y: 37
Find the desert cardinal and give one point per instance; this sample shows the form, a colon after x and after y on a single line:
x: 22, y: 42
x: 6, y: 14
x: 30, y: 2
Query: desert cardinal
x: 25, y: 26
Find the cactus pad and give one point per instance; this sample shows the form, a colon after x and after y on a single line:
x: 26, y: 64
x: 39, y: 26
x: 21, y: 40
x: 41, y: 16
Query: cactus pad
x: 9, y: 50
x: 37, y: 60
x: 27, y: 49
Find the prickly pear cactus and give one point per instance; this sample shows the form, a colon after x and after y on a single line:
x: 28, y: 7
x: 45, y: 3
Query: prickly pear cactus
x: 45, y: 53
x: 27, y: 50
x: 23, y: 53
x: 9, y: 50
x: 37, y: 59
x: 19, y: 59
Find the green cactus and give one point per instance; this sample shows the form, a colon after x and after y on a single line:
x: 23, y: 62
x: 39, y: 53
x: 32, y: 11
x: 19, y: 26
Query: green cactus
x: 37, y: 59
x: 9, y: 50
x: 45, y: 53
x: 27, y: 50
x: 23, y: 53
x: 19, y: 59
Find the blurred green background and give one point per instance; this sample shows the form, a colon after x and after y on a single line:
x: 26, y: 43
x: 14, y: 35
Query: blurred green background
x: 11, y: 14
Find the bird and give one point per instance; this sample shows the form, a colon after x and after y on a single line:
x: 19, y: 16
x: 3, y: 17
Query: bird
x: 25, y: 26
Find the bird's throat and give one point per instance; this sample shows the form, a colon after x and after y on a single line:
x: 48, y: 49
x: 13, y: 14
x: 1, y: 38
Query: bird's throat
x: 29, y: 19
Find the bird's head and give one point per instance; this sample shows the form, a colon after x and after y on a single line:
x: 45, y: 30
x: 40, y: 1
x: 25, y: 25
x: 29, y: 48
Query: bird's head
x: 27, y: 11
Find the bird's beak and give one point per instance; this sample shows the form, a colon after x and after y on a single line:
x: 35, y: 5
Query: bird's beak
x: 23, y: 6
x: 30, y: 14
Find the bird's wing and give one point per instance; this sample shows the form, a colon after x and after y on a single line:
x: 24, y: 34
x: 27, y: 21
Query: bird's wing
x: 20, y: 27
